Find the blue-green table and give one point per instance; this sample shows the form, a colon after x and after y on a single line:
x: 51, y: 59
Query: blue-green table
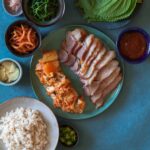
x: 126, y: 124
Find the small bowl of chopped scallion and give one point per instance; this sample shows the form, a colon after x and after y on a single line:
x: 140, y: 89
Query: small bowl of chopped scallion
x: 68, y: 136
x: 43, y: 12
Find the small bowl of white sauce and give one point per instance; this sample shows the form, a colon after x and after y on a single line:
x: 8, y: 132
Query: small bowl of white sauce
x: 10, y: 72
x: 13, y: 7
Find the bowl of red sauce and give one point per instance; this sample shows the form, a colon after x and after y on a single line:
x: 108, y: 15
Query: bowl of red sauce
x: 134, y: 45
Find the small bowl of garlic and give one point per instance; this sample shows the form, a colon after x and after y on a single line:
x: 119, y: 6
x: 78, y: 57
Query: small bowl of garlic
x: 13, y: 7
x: 10, y: 72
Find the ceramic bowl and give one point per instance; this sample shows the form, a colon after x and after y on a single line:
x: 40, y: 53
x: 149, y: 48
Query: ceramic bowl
x: 77, y: 135
x: 20, y: 72
x: 9, y: 11
x: 147, y: 39
x: 29, y: 16
x: 8, y: 35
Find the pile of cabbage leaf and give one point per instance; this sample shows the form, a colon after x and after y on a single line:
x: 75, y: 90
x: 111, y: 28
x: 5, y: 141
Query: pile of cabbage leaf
x: 107, y: 10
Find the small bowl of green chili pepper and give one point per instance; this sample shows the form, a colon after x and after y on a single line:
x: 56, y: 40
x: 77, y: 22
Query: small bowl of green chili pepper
x: 43, y: 12
x: 68, y: 136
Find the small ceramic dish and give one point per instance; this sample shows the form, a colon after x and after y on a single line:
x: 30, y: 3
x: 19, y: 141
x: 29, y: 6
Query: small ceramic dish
x: 68, y: 136
x: 8, y: 36
x: 28, y: 14
x: 133, y: 45
x: 20, y: 72
x: 9, y: 11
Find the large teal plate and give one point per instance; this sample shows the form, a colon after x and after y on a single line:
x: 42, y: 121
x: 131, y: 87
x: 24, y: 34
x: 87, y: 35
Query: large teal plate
x: 53, y: 41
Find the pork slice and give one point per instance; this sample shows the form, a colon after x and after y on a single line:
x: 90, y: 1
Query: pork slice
x: 71, y: 42
x: 71, y: 60
x: 63, y: 56
x: 92, y: 67
x: 77, y: 48
x: 92, y: 48
x: 90, y: 89
x: 98, y: 49
x: 76, y: 66
x: 89, y: 81
x: 108, y: 90
x: 106, y: 71
x: 107, y: 81
x: 79, y: 34
x: 110, y: 55
x: 96, y: 97
x: 85, y: 47
x: 93, y: 57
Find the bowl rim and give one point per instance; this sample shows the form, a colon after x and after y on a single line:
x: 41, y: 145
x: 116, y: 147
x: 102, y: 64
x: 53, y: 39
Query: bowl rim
x: 59, y: 15
x: 147, y: 38
x: 20, y: 71
x: 32, y: 26
x: 9, y: 12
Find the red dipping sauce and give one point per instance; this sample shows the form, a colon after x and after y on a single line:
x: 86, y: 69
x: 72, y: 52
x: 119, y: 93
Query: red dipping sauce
x: 133, y: 45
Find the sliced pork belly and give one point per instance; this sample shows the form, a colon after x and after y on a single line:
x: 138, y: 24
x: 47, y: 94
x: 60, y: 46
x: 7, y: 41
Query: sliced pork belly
x: 110, y: 55
x: 86, y: 45
x: 89, y: 54
x: 71, y: 60
x: 106, y: 71
x: 96, y: 97
x: 63, y: 56
x: 92, y: 58
x: 71, y: 43
x: 108, y: 90
x: 73, y: 40
x: 108, y: 80
x: 76, y: 66
x: 90, y: 89
x: 77, y: 48
x: 79, y: 34
x: 92, y: 78
x: 101, y: 62
x: 92, y: 67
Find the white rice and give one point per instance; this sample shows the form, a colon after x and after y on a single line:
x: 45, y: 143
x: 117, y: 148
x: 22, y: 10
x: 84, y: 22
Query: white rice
x: 23, y: 129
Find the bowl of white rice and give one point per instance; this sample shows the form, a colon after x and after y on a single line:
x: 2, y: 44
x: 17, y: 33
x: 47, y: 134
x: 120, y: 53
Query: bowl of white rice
x: 27, y: 124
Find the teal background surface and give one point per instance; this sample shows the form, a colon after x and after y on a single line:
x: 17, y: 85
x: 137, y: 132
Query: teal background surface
x: 126, y: 124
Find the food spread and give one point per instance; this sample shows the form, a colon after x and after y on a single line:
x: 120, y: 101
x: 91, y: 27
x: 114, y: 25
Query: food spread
x: 57, y: 85
x: 82, y: 51
x: 9, y: 72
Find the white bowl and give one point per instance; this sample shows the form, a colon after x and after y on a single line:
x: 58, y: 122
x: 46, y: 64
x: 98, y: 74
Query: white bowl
x: 20, y: 72
x: 48, y: 116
